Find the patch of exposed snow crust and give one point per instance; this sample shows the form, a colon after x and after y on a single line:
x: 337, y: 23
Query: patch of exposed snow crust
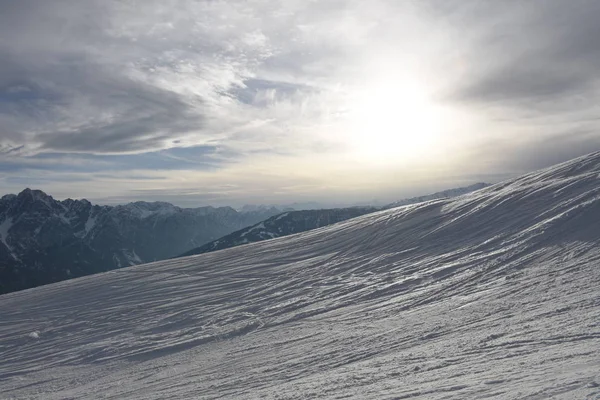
x: 491, y: 295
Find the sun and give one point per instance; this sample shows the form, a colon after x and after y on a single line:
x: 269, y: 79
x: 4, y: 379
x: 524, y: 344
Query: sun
x: 392, y: 121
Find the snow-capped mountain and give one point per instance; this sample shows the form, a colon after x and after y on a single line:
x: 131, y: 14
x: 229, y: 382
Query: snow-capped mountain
x: 491, y: 295
x: 43, y: 240
x: 300, y: 221
x: 282, y: 225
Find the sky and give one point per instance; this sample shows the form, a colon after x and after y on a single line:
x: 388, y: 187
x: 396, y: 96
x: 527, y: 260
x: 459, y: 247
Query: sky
x: 215, y: 102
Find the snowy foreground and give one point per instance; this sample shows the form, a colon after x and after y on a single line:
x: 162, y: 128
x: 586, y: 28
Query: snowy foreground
x: 495, y: 294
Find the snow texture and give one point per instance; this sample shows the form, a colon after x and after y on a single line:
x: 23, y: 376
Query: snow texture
x: 490, y: 295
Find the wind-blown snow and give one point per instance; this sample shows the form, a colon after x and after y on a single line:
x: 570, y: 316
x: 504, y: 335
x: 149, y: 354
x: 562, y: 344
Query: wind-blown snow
x: 490, y: 295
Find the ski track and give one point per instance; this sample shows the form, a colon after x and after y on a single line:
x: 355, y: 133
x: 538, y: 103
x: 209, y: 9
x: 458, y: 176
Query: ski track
x: 494, y: 294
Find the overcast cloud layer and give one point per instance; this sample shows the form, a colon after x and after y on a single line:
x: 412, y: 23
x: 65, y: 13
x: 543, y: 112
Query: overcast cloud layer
x: 227, y: 102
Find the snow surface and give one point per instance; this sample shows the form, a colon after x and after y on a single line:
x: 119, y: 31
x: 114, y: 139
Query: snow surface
x: 253, y: 228
x: 282, y: 216
x: 63, y: 217
x: 491, y: 295
x: 4, y: 228
x: 131, y: 256
x: 89, y: 224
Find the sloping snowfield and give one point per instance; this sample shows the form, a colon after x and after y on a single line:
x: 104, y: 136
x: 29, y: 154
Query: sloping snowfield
x: 495, y: 294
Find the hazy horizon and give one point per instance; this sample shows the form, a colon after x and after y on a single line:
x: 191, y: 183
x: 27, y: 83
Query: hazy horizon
x: 296, y: 205
x: 263, y: 102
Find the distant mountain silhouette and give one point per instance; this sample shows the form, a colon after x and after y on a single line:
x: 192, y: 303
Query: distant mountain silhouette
x: 43, y: 240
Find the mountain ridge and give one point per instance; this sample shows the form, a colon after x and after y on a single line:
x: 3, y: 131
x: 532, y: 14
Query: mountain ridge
x: 43, y: 240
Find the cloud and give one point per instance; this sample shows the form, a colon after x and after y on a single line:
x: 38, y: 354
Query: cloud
x: 314, y: 98
x: 197, y: 158
x: 534, y: 153
x: 528, y: 54
x: 264, y: 92
x: 109, y: 78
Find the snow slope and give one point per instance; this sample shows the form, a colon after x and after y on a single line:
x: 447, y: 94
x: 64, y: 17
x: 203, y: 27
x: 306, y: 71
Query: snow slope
x: 495, y: 294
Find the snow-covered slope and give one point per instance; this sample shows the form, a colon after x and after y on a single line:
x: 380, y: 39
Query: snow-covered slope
x: 494, y: 294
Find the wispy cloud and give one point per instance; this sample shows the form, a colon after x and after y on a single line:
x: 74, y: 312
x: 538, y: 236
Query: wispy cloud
x: 294, y: 98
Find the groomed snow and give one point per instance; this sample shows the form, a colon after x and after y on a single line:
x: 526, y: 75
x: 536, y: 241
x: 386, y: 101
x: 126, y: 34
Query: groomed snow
x: 491, y: 295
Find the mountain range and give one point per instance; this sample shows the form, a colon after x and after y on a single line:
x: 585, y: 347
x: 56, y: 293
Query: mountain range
x: 43, y: 240
x: 489, y: 295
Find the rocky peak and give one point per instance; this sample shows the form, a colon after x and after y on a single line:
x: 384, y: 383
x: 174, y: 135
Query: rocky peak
x: 76, y: 204
x: 33, y: 201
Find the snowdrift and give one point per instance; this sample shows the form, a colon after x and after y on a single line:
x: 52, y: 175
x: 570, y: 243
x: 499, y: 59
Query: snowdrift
x: 494, y: 294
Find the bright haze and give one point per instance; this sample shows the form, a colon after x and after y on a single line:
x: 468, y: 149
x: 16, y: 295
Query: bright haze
x: 233, y: 102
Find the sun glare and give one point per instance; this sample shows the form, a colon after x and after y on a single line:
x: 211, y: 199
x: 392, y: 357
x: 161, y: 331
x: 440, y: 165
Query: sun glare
x: 392, y: 122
